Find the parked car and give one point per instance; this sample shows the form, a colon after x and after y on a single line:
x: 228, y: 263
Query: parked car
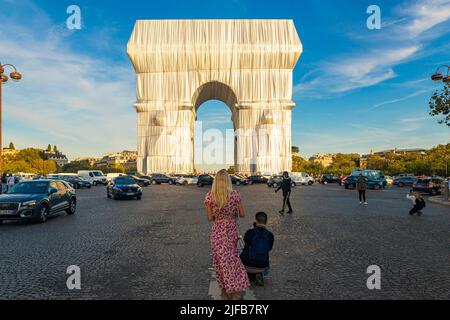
x: 94, y: 176
x: 186, y: 179
x: 301, y: 178
x: 433, y: 186
x: 123, y: 187
x: 405, y: 181
x: 372, y: 182
x: 275, y: 181
x: 77, y: 182
x: 330, y: 178
x: 205, y: 180
x: 237, y: 180
x: 258, y: 179
x: 142, y: 182
x: 158, y: 178
x: 389, y: 180
x: 110, y: 176
x: 36, y: 200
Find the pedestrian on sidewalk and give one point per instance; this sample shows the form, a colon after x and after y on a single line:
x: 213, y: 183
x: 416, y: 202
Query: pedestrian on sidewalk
x: 11, y: 181
x: 361, y: 186
x: 418, y: 202
x: 285, y: 185
x: 223, y: 206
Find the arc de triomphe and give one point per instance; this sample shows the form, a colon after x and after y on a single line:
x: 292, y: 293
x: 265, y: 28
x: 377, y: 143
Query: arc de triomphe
x: 247, y: 64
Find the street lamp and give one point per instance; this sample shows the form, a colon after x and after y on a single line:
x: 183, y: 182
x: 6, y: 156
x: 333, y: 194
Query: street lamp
x: 15, y: 76
x: 437, y: 76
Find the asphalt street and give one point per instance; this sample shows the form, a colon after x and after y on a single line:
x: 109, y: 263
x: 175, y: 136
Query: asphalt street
x: 158, y: 248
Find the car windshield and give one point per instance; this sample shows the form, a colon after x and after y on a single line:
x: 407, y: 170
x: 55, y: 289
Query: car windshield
x: 97, y: 173
x: 124, y: 181
x: 30, y: 188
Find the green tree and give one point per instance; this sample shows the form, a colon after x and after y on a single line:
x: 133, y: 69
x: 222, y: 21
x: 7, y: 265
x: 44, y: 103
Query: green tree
x: 440, y: 104
x: 11, y: 146
x: 295, y: 149
x: 231, y: 170
x: 49, y: 148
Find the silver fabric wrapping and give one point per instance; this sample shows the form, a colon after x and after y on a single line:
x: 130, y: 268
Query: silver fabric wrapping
x: 247, y: 64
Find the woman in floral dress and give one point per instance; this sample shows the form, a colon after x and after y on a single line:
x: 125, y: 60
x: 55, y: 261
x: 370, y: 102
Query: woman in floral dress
x: 223, y: 204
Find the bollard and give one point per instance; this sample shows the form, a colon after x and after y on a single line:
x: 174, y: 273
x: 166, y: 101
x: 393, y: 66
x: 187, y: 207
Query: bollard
x: 446, y: 190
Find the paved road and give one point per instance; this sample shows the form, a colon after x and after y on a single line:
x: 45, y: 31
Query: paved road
x: 158, y: 248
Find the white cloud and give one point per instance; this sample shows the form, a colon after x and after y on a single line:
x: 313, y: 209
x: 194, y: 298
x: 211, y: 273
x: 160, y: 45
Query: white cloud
x: 81, y: 103
x: 401, y: 40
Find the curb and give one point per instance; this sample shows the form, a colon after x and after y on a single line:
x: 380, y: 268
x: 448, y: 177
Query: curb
x: 439, y: 200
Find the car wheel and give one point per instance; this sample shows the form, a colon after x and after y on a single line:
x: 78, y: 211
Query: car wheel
x: 42, y: 214
x: 115, y: 197
x: 185, y: 183
x: 401, y: 184
x: 200, y: 185
x: 434, y: 192
x: 310, y: 183
x: 376, y: 187
x: 170, y: 182
x: 139, y: 198
x: 154, y: 182
x: 293, y: 185
x: 238, y: 183
x: 72, y: 207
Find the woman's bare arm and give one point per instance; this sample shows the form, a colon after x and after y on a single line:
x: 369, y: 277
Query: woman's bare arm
x: 209, y: 213
x: 241, y: 210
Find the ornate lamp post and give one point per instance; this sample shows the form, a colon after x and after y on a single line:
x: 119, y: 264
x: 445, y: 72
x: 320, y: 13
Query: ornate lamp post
x: 15, y: 76
x: 437, y: 76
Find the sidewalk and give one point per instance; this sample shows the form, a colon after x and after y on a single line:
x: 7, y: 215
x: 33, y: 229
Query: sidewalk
x: 439, y: 200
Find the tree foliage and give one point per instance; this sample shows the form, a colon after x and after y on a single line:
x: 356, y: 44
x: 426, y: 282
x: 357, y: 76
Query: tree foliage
x: 440, y: 104
x: 30, y: 161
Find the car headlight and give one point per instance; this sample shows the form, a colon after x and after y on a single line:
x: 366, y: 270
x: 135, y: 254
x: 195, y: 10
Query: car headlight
x: 30, y: 203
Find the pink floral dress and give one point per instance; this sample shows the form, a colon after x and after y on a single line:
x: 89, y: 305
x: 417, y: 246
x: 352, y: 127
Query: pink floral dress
x: 230, y: 272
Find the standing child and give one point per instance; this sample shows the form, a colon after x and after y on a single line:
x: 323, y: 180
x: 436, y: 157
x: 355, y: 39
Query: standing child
x: 258, y: 242
x: 418, y: 202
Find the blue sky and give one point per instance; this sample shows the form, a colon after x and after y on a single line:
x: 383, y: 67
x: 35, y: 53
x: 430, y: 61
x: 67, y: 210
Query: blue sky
x: 356, y: 89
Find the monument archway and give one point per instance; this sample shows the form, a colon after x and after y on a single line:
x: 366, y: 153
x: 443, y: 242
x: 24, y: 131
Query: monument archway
x: 247, y: 64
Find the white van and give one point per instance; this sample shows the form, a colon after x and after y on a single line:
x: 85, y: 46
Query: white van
x: 93, y: 176
x: 301, y: 178
x: 110, y: 176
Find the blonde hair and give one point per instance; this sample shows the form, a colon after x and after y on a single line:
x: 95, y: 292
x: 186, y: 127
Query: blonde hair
x: 221, y: 188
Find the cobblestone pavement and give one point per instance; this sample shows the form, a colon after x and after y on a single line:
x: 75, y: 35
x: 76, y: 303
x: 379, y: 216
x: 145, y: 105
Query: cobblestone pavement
x: 158, y: 248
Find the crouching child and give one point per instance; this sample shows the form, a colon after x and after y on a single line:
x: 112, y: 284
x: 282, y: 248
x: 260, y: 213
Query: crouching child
x: 418, y: 202
x: 255, y: 255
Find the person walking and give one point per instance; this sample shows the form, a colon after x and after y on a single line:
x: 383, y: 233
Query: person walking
x: 285, y: 185
x: 11, y: 181
x: 361, y: 186
x: 223, y: 206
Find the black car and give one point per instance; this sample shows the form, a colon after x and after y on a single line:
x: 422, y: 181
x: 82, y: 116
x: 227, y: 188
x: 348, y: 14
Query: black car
x: 274, y: 181
x: 257, y: 179
x: 238, y: 180
x: 330, y: 178
x: 433, y: 186
x: 205, y: 180
x: 123, y: 187
x: 36, y: 200
x: 404, y: 181
x: 76, y: 182
x: 142, y: 182
x: 158, y: 178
